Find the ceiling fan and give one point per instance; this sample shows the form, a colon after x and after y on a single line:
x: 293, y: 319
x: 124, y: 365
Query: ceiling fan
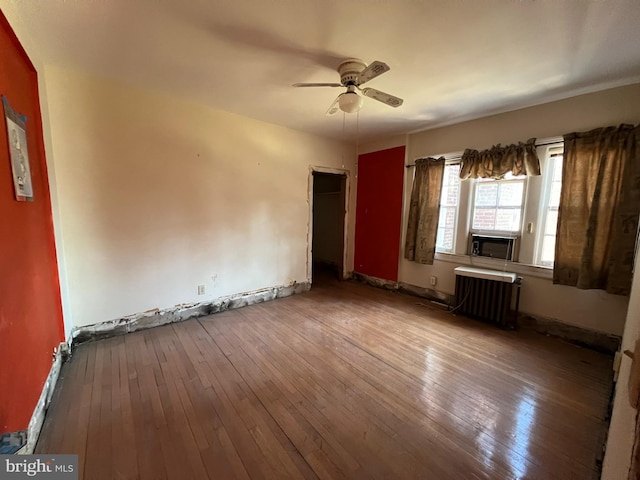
x: 354, y: 73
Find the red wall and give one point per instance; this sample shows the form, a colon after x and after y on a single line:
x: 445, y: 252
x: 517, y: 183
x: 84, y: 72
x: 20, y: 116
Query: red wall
x: 30, y: 307
x: 379, y: 213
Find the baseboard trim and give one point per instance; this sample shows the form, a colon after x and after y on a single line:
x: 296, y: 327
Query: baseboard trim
x: 39, y: 412
x: 179, y: 313
x: 600, y: 341
x: 375, y: 281
x: 402, y: 287
x: 584, y: 337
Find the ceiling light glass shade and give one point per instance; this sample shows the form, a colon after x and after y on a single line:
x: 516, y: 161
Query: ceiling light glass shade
x: 350, y: 102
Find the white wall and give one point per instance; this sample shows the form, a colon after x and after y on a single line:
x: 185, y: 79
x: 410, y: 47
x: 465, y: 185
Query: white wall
x: 621, y: 437
x: 157, y: 195
x: 591, y: 309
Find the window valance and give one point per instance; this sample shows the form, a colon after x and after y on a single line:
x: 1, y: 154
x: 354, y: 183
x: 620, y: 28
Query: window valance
x: 496, y: 162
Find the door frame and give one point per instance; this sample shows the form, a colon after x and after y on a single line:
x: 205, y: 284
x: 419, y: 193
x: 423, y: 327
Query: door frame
x: 347, y: 193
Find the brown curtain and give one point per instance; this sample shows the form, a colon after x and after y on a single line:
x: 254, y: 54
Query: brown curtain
x: 520, y: 159
x: 424, y: 210
x: 599, y: 208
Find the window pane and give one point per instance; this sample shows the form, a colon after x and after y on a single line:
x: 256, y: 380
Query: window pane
x: 448, y: 207
x: 552, y: 222
x: 440, y: 238
x: 447, y: 217
x: 444, y: 193
x: 484, y: 218
x: 451, y: 174
x: 486, y: 194
x: 549, y: 216
x: 508, y: 219
x: 444, y: 239
x: 557, y: 168
x: 510, y: 194
x: 548, y: 249
x: 451, y: 196
x: 448, y: 240
x: 554, y: 196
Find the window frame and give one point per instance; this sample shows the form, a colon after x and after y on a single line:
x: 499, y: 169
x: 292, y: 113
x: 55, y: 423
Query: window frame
x: 456, y: 208
x: 536, y: 193
x: 551, y: 154
x: 479, y: 181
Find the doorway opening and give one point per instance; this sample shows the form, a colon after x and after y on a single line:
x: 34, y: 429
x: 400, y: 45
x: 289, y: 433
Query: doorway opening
x: 329, y: 214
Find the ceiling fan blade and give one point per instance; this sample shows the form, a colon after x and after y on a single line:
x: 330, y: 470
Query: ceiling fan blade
x: 382, y: 97
x: 372, y: 71
x: 316, y: 85
x: 333, y: 109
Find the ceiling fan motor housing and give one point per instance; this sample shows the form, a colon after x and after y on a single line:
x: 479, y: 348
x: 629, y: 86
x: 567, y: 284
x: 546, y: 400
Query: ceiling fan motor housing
x: 350, y: 71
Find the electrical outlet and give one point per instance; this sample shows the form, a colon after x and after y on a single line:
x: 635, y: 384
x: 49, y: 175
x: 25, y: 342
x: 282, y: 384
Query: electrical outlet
x: 433, y: 280
x: 200, y: 289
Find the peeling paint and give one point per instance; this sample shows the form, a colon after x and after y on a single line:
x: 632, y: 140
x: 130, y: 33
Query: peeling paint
x: 600, y: 341
x: 375, y: 282
x: 37, y: 419
x: 428, y: 293
x: 157, y: 317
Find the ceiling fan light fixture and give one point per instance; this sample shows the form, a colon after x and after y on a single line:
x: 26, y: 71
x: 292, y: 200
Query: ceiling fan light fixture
x: 350, y: 102
x: 353, y: 74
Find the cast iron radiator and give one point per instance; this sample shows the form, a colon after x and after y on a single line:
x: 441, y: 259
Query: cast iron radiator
x: 487, y: 295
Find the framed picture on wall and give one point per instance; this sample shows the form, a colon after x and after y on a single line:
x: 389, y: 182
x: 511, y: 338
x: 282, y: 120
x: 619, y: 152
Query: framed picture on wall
x: 18, y: 153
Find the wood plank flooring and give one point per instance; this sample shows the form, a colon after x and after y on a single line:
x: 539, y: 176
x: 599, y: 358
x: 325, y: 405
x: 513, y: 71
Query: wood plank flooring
x: 343, y: 382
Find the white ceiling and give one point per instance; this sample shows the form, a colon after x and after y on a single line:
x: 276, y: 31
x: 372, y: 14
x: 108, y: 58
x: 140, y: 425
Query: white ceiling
x: 451, y: 60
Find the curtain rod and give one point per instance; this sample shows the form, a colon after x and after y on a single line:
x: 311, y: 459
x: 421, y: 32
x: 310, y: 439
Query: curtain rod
x: 456, y: 158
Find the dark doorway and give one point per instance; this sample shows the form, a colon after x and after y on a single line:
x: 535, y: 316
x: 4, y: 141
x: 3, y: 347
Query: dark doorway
x: 327, y: 248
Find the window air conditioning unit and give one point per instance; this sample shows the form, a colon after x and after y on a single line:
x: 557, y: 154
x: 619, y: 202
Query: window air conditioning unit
x: 494, y: 246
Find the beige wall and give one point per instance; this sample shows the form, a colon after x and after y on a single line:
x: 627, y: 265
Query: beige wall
x: 593, y: 309
x: 158, y: 195
x: 383, y: 144
x: 584, y: 112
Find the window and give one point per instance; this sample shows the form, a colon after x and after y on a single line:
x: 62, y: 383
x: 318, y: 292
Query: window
x: 522, y: 207
x: 445, y: 241
x: 498, y: 205
x: 549, y: 220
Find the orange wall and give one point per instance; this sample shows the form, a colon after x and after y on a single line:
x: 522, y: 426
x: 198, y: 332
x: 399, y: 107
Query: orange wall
x: 30, y: 308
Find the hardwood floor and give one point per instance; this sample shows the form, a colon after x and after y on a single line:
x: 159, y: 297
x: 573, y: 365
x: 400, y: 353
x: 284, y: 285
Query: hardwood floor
x: 346, y: 381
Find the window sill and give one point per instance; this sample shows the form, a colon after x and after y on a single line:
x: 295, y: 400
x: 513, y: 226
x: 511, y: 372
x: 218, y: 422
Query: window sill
x: 496, y: 264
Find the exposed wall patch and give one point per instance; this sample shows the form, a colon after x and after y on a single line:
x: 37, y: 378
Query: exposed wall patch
x: 37, y: 419
x: 156, y: 317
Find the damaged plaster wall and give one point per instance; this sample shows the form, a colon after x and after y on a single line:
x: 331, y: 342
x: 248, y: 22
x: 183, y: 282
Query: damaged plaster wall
x: 179, y: 313
x: 158, y: 195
